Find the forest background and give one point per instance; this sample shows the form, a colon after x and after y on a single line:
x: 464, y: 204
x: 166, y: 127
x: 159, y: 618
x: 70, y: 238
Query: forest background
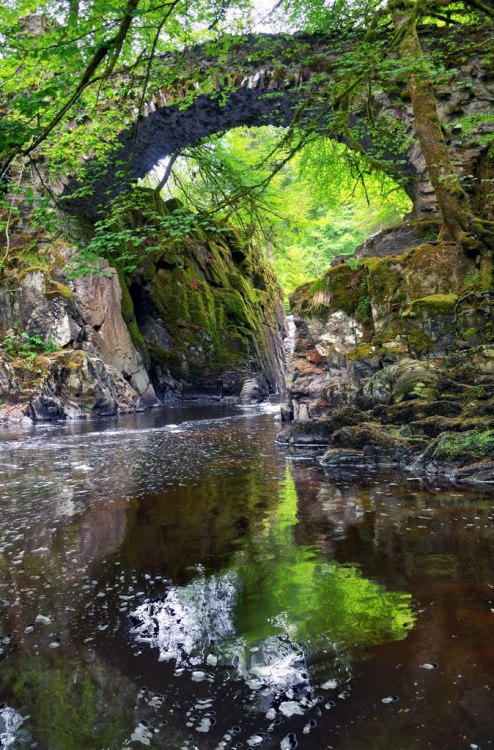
x: 73, y: 74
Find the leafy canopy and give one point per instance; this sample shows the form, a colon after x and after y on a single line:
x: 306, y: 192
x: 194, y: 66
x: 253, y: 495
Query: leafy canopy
x: 74, y: 74
x: 318, y: 205
x: 88, y: 66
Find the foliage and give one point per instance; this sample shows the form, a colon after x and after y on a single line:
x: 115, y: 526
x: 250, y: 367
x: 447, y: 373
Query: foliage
x: 317, y: 206
x: 74, y: 75
x: 470, y: 446
x: 62, y: 61
x: 25, y: 345
x: 137, y: 223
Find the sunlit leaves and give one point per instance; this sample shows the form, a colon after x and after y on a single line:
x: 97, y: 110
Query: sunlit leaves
x: 48, y: 48
x: 324, y: 202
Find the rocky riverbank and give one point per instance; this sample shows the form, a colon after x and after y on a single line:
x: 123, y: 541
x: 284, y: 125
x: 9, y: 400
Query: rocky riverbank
x: 198, y: 318
x: 394, y: 364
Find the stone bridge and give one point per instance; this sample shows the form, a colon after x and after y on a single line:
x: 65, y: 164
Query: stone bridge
x: 261, y: 81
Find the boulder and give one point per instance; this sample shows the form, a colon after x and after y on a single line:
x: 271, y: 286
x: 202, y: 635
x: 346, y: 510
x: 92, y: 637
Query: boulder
x: 63, y: 385
x: 405, y: 343
x: 254, y: 389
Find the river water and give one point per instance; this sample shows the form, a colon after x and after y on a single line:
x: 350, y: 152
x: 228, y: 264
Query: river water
x: 176, y: 580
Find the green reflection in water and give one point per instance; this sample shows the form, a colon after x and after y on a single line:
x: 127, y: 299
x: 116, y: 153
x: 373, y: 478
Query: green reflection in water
x: 71, y: 704
x: 287, y: 586
x: 277, y: 586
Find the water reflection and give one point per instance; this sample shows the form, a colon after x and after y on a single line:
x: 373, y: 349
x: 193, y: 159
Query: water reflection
x: 281, y: 617
x: 171, y: 583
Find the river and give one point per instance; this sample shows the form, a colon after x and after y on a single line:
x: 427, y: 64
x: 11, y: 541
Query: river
x: 176, y: 580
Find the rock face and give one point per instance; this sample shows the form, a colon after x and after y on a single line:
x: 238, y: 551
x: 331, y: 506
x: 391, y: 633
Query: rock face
x: 199, y: 318
x: 207, y: 316
x: 98, y: 371
x: 63, y: 385
x: 394, y: 365
x: 105, y: 333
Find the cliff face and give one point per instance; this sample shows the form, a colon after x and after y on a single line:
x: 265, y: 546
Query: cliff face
x: 65, y: 348
x: 394, y: 364
x: 199, y: 317
x: 208, y: 318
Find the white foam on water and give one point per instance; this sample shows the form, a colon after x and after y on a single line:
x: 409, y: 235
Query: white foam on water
x: 255, y: 740
x: 278, y: 664
x: 189, y: 619
x: 204, y: 725
x: 10, y: 722
x: 330, y: 685
x: 291, y: 708
x: 142, y: 734
x: 193, y: 620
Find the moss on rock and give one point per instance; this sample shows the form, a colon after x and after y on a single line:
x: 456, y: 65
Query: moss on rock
x: 433, y: 305
x: 464, y: 447
x: 211, y: 296
x: 338, y: 289
x: 128, y: 314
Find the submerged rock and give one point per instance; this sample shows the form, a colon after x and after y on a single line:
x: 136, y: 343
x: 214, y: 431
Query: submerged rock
x: 254, y: 389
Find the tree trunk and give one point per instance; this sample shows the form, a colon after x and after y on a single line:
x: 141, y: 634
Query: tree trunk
x: 452, y: 201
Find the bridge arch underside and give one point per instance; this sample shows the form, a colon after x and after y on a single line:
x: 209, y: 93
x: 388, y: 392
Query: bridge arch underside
x: 170, y: 129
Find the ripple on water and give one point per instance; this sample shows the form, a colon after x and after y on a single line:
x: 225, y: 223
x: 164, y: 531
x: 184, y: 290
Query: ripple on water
x: 257, y: 650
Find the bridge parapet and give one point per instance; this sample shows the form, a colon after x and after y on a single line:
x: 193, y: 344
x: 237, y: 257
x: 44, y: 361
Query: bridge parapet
x: 263, y: 79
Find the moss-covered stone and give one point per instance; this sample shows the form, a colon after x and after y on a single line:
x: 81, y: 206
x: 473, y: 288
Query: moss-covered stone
x: 128, y: 314
x: 212, y: 297
x: 362, y: 351
x: 433, y: 305
x: 57, y: 288
x: 338, y: 289
x: 415, y: 410
x: 464, y: 447
x: 363, y: 435
x: 168, y: 359
x: 435, y: 269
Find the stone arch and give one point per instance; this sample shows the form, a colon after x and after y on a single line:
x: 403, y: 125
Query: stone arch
x: 269, y: 93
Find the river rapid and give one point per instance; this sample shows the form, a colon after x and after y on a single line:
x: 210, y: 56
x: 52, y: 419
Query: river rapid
x: 176, y: 580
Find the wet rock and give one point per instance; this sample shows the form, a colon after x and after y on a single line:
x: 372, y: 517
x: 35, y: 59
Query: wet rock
x: 286, y: 413
x: 254, y: 389
x: 346, y: 415
x: 65, y: 385
x: 360, y: 436
x: 416, y: 409
x: 466, y: 457
x: 391, y: 363
x: 433, y: 426
x: 307, y: 432
x: 336, y: 459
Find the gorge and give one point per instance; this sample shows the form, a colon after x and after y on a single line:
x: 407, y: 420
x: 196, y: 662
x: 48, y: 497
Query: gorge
x: 246, y: 375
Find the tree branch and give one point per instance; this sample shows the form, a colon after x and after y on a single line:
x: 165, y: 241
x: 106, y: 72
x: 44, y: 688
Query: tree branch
x: 86, y: 80
x: 166, y: 174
